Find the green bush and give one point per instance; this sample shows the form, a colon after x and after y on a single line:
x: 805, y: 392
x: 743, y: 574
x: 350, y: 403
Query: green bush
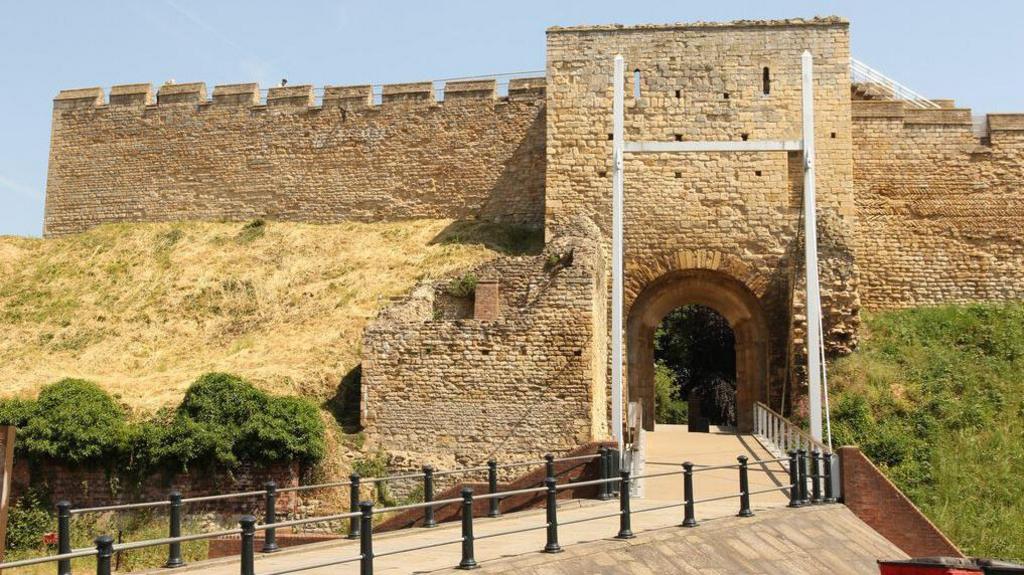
x: 464, y: 286
x: 251, y: 231
x: 27, y: 521
x: 222, y: 420
x: 376, y: 465
x: 16, y: 412
x: 75, y: 421
x: 668, y: 407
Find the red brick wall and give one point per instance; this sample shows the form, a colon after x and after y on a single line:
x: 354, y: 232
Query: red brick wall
x: 880, y: 504
x: 232, y: 546
x: 565, y: 471
x: 92, y: 487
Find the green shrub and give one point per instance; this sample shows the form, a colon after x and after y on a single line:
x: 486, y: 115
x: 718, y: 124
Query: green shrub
x: 668, y: 407
x: 222, y: 420
x: 251, y: 231
x: 464, y: 286
x: 376, y: 465
x: 16, y: 412
x: 75, y: 421
x: 27, y: 521
x: 288, y: 429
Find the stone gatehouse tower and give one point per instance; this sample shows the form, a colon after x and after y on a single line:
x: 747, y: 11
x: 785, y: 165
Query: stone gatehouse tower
x: 915, y: 207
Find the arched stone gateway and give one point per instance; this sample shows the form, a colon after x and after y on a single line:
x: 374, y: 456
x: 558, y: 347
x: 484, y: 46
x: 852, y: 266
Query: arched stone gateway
x: 720, y: 291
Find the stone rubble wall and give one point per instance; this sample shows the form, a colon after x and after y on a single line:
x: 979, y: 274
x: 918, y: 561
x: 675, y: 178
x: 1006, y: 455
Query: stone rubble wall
x: 185, y: 157
x: 455, y: 392
x: 940, y: 211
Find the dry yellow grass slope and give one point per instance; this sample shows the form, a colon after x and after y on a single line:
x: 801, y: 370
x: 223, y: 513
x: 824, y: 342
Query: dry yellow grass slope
x: 143, y: 309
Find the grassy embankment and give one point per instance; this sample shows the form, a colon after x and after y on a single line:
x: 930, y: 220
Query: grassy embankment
x: 144, y: 309
x: 935, y: 396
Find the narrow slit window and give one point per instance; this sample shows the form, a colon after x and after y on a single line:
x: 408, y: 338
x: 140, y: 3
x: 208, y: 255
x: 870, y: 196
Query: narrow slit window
x: 636, y: 84
x: 766, y: 81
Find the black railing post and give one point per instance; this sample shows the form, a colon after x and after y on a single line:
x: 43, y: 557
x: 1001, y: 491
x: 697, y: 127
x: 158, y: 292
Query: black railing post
x: 794, y: 479
x: 353, y: 505
x: 625, y: 526
x: 494, y: 503
x: 830, y: 496
x: 63, y: 536
x: 468, y: 560
x: 604, y: 492
x: 614, y: 468
x: 366, y: 538
x: 104, y: 551
x: 552, y: 545
x: 428, y: 496
x: 174, y: 549
x: 801, y: 465
x: 549, y: 465
x: 744, y: 489
x: 270, y: 534
x: 815, y: 476
x: 688, y: 517
x: 248, y: 559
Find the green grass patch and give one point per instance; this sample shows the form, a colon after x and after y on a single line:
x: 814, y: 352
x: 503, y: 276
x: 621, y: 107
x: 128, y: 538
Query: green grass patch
x: 935, y: 397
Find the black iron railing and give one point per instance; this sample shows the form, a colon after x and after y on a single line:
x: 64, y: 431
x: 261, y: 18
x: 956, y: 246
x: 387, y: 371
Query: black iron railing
x: 175, y: 504
x: 798, y: 474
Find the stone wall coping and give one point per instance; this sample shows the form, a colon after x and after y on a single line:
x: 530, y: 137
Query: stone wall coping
x: 787, y: 22
x: 897, y: 109
x: 248, y: 94
x: 1005, y: 122
x: 942, y: 116
x: 877, y: 109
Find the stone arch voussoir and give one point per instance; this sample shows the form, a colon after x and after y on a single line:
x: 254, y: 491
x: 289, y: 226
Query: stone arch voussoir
x: 642, y: 271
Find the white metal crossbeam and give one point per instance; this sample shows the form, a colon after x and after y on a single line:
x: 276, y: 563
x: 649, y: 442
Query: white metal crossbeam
x: 716, y: 146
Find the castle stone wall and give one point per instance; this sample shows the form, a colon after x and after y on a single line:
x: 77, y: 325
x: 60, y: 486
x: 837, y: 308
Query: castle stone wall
x: 182, y: 156
x: 705, y: 82
x: 940, y: 210
x: 450, y: 391
x: 914, y: 208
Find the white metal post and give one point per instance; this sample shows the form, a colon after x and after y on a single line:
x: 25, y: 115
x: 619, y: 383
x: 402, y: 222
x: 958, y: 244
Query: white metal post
x: 617, y: 205
x: 811, y: 251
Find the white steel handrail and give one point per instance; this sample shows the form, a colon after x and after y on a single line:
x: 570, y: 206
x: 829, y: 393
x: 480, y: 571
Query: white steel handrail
x: 862, y: 73
x: 778, y: 435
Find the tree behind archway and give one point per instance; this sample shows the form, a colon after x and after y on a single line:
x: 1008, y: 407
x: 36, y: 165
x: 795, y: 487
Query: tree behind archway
x: 696, y: 343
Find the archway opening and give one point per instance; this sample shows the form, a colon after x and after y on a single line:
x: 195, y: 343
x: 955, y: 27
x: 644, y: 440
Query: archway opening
x: 695, y: 368
x: 726, y: 296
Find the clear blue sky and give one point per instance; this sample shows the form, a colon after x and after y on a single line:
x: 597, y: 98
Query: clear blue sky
x: 970, y: 51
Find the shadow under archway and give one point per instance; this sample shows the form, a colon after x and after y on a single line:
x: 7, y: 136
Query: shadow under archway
x: 720, y: 292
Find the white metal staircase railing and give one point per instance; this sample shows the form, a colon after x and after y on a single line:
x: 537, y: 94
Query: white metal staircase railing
x: 862, y: 73
x: 778, y: 435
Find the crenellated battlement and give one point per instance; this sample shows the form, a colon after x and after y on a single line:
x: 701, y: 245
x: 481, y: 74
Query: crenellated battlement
x: 453, y: 149
x: 352, y: 98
